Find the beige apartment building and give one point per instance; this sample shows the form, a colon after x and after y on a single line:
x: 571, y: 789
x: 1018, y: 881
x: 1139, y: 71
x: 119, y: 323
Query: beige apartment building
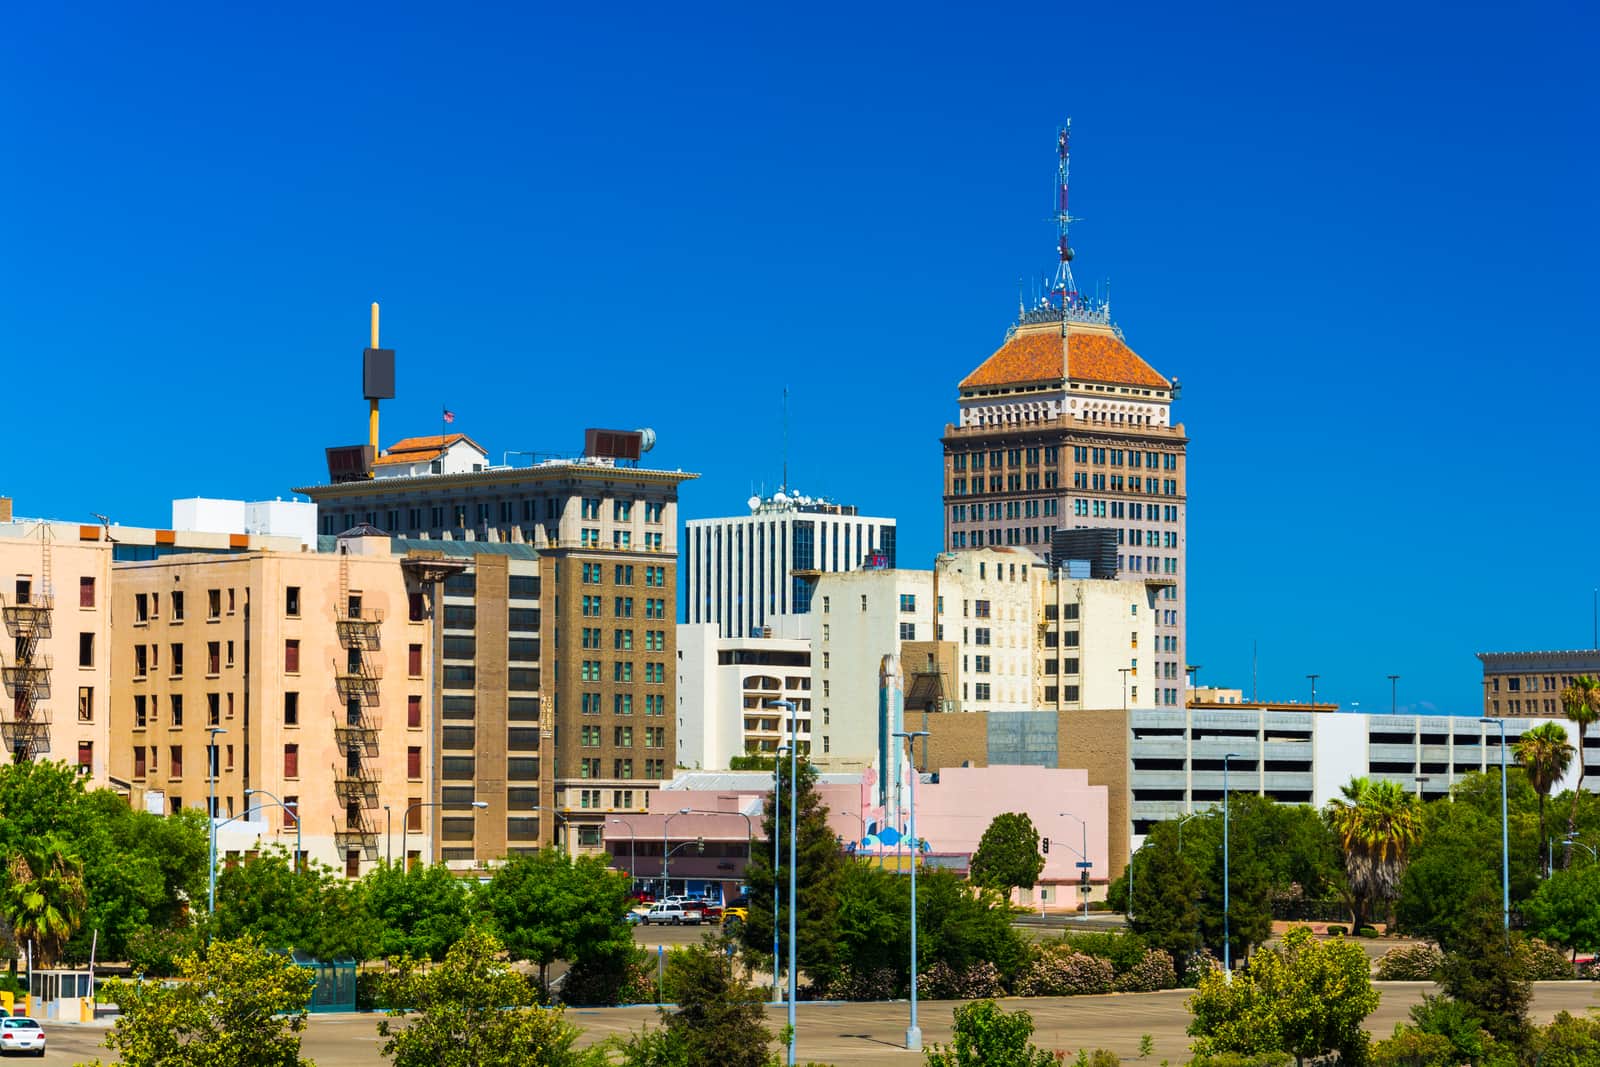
x: 301, y: 677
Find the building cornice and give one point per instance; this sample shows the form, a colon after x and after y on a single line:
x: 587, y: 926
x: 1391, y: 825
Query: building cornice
x: 573, y: 472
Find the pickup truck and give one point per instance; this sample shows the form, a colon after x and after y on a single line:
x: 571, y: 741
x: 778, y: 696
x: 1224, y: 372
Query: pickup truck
x: 672, y: 915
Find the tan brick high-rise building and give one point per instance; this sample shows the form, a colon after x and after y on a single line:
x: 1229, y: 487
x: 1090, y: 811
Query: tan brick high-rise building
x: 1065, y: 427
x: 566, y: 611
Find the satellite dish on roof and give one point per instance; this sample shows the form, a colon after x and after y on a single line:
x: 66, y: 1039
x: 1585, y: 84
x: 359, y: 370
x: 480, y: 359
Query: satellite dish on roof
x: 754, y: 503
x: 779, y: 498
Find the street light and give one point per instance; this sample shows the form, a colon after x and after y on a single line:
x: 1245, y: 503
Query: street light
x: 1227, y: 933
x: 1572, y: 839
x: 1394, y: 693
x: 665, y: 824
x: 564, y: 824
x: 211, y: 814
x: 405, y: 820
x: 913, y: 1032
x: 1124, y: 672
x: 777, y: 824
x: 794, y: 768
x: 1313, y: 678
x: 1181, y: 821
x: 248, y: 793
x: 1083, y: 860
x: 1505, y: 831
x: 749, y: 830
x: 633, y: 877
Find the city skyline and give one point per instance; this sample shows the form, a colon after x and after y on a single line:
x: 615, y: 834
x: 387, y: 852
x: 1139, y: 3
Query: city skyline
x: 686, y: 220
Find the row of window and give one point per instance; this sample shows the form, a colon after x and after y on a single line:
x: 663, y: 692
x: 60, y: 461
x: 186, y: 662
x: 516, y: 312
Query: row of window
x: 1013, y: 457
x: 621, y: 703
x: 590, y: 767
x: 622, y: 574
x: 622, y: 671
x: 622, y: 640
x: 507, y: 511
x: 622, y: 736
x: 593, y: 607
x: 219, y: 706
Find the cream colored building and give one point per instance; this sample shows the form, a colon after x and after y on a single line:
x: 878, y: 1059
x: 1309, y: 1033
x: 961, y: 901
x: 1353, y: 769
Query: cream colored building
x: 726, y: 689
x: 303, y: 677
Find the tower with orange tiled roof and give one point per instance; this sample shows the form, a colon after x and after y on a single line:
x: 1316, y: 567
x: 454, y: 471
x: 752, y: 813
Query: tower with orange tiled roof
x: 1066, y: 427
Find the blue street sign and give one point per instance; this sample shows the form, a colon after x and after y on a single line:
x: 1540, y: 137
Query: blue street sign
x: 1083, y: 864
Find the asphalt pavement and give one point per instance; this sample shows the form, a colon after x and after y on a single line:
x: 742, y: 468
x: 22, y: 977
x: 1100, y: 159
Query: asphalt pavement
x: 864, y: 1035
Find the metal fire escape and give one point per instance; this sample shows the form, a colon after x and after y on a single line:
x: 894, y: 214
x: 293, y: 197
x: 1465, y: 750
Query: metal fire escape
x: 25, y: 721
x: 356, y: 784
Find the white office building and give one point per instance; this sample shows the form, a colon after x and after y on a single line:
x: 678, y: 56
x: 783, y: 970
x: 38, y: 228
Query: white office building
x: 741, y: 571
x: 726, y: 689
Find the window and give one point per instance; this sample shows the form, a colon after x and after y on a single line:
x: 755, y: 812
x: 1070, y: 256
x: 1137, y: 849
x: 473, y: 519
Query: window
x: 414, y: 661
x: 414, y: 762
x: 413, y: 711
x: 291, y: 709
x: 291, y: 656
x: 175, y: 763
x: 175, y: 704
x: 86, y: 703
x: 177, y: 606
x: 141, y: 607
x: 138, y: 762
x: 291, y: 761
x: 213, y: 657
x: 980, y: 691
x: 622, y: 510
x: 908, y: 631
x: 980, y: 608
x: 141, y: 664
x: 213, y: 709
x: 982, y: 635
x: 213, y: 603
x: 908, y: 602
x: 86, y: 650
x: 85, y: 592
x: 980, y: 664
x: 291, y: 601
x: 140, y: 714
x: 177, y: 659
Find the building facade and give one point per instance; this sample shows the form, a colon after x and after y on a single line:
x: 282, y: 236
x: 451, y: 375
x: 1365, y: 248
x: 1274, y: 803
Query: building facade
x: 300, y: 677
x: 603, y: 536
x: 1065, y: 427
x: 726, y: 689
x: 1530, y: 683
x: 741, y: 572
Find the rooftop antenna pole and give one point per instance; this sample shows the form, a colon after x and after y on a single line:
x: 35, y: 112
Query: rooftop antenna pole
x: 1254, y: 645
x: 786, y: 439
x: 372, y: 409
x: 1064, y: 284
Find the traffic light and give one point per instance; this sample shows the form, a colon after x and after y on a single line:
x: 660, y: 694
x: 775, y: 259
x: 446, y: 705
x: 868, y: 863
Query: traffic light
x: 700, y: 845
x: 1044, y: 844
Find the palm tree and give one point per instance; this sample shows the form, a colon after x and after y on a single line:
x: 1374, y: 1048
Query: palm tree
x: 1580, y: 702
x: 44, y: 897
x: 1545, y: 754
x: 1377, y: 822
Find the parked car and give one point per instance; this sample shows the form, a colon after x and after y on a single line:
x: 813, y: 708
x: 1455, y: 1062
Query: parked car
x: 21, y: 1034
x: 671, y: 915
x: 633, y: 918
x: 733, y: 915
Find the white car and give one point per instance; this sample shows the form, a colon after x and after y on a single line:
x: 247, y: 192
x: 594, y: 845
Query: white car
x: 671, y: 915
x: 21, y: 1034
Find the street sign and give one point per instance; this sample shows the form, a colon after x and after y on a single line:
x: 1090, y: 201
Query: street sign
x: 1083, y: 864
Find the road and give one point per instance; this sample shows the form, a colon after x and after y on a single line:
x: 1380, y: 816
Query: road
x: 864, y: 1035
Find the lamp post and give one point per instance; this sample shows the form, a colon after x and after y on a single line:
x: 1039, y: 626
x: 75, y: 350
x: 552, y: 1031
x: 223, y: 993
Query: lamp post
x: 1505, y: 832
x: 1394, y: 693
x: 665, y: 824
x: 913, y: 1031
x: 633, y: 876
x: 388, y: 836
x: 211, y: 814
x: 1227, y: 933
x: 1420, y: 779
x: 749, y: 831
x: 405, y: 819
x: 248, y: 793
x: 1083, y: 862
x: 564, y: 824
x: 1313, y: 678
x: 1181, y: 821
x: 794, y: 769
x: 1572, y: 839
x: 777, y: 823
x: 1124, y: 672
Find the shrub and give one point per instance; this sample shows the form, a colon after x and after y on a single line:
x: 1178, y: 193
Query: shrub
x: 1409, y: 963
x: 1198, y: 965
x: 1061, y: 972
x: 882, y: 983
x: 1367, y: 931
x: 1154, y: 971
x: 984, y: 1033
x: 1569, y: 1042
x: 1243, y: 1059
x: 155, y: 953
x: 1125, y: 951
x: 943, y: 982
x: 1548, y: 964
x: 1410, y: 1047
x: 367, y: 990
x: 1100, y: 1057
x: 1336, y: 931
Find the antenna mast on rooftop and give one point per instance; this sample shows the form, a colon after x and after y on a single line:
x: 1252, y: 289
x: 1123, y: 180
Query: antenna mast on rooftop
x: 1064, y: 287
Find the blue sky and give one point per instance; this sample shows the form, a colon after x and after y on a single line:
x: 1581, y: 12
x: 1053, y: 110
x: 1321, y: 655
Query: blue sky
x: 1363, y: 238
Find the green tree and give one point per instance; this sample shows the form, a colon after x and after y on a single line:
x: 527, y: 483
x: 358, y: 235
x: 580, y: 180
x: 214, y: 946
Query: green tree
x: 1377, y: 822
x: 1545, y: 755
x: 44, y: 897
x: 420, y: 911
x: 242, y: 1005
x: 1165, y: 884
x: 1486, y: 969
x: 1565, y: 909
x: 986, y: 1035
x: 1580, y: 703
x: 547, y: 907
x: 472, y: 1010
x: 819, y: 866
x: 718, y: 1021
x: 1008, y: 856
x: 140, y: 873
x: 1304, y: 997
x: 309, y: 910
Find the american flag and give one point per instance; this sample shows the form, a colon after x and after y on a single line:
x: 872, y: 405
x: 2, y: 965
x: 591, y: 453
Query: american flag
x: 449, y: 416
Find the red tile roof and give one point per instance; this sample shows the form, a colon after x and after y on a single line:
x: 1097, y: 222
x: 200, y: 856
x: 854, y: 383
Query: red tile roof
x: 422, y: 449
x: 1034, y: 355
